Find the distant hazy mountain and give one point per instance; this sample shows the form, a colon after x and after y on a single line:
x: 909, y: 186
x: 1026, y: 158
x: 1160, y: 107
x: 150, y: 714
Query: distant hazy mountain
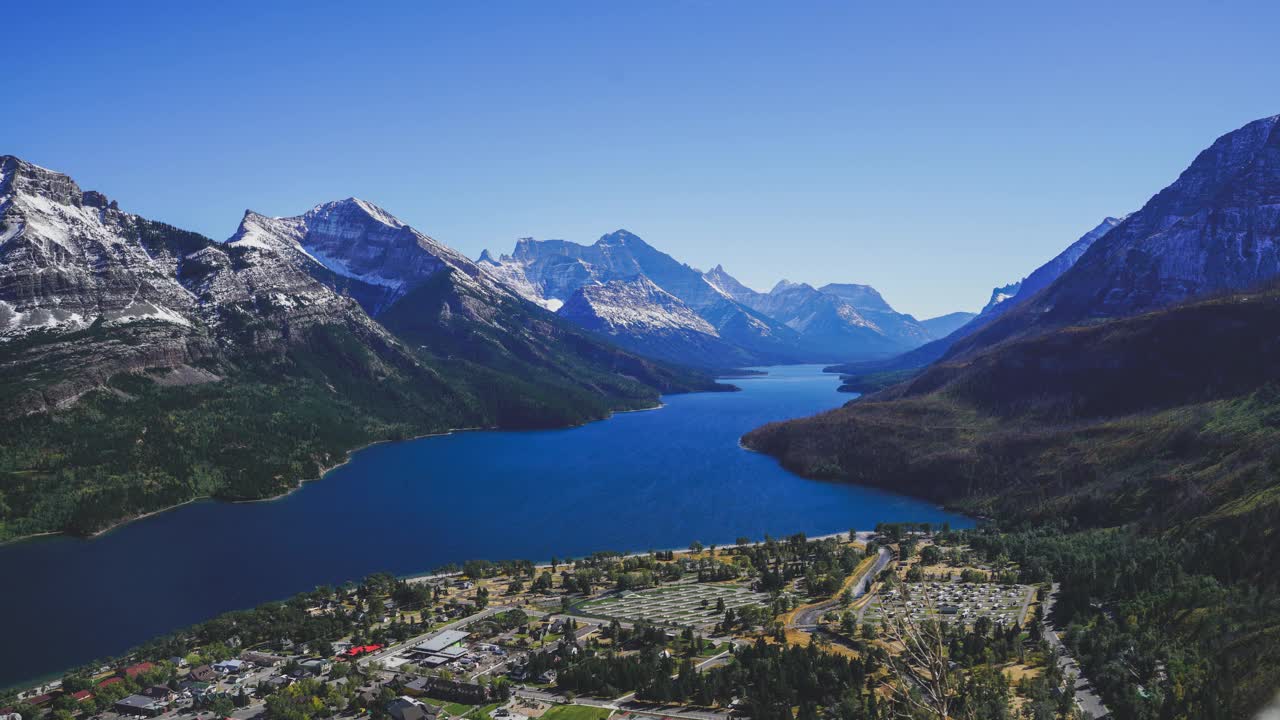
x: 1002, y: 300
x: 791, y: 323
x: 944, y: 325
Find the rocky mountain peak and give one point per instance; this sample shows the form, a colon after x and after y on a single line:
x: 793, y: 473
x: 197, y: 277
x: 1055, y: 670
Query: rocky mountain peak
x: 862, y: 297
x: 17, y: 176
x: 785, y: 285
x: 621, y: 237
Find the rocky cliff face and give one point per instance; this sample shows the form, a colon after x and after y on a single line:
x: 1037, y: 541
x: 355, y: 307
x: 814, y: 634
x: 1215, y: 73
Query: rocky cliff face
x: 1216, y: 229
x: 70, y: 258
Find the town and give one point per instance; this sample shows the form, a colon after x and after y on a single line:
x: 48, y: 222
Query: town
x: 666, y: 634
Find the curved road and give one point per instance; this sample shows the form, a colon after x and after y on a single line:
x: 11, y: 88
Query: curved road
x: 807, y: 619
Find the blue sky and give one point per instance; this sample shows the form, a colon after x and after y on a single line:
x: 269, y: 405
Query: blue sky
x: 932, y: 150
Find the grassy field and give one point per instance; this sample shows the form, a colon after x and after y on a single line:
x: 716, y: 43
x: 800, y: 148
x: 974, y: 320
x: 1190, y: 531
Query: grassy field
x: 576, y: 712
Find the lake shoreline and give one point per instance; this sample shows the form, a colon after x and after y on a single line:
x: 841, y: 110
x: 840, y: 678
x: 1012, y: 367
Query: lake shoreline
x: 346, y: 459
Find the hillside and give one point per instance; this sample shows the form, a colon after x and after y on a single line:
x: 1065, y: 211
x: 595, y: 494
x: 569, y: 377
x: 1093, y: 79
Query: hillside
x: 1165, y: 425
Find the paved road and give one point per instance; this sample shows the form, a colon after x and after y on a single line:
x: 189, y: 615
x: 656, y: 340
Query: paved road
x: 631, y: 706
x: 1086, y: 698
x: 810, y: 617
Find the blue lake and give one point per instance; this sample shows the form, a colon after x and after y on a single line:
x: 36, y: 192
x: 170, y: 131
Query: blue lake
x: 639, y: 481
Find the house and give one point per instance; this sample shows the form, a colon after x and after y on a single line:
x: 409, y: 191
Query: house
x: 196, y: 689
x: 279, y: 681
x: 202, y: 673
x: 262, y: 659
x: 407, y: 708
x: 178, y: 661
x: 158, y: 692
x: 82, y: 696
x: 110, y: 681
x: 141, y: 705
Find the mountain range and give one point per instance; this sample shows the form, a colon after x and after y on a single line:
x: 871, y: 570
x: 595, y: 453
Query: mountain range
x: 1130, y: 399
x: 142, y: 365
x: 704, y: 319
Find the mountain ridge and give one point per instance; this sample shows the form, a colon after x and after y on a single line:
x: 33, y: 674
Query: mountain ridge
x: 143, y: 365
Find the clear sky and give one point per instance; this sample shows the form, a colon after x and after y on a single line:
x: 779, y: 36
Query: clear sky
x: 932, y: 150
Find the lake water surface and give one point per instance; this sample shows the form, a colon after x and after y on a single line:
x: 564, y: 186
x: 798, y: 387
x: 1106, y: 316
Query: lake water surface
x: 639, y: 481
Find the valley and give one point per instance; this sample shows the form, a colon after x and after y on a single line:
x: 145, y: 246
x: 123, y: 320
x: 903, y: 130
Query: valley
x: 407, y: 507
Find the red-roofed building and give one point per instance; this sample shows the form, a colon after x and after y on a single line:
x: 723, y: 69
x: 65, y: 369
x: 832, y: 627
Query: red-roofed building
x: 359, y: 650
x: 135, y: 670
x: 110, y: 681
x: 82, y: 695
x: 40, y: 699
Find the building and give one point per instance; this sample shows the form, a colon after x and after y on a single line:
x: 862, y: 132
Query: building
x: 141, y: 705
x: 407, y: 708
x: 202, y: 673
x: 443, y: 647
x: 466, y: 693
x: 316, y: 666
x: 158, y: 692
x: 262, y: 659
x: 229, y: 667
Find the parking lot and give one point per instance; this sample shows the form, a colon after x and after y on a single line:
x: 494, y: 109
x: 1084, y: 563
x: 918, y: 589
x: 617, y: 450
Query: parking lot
x: 952, y: 602
x: 689, y: 604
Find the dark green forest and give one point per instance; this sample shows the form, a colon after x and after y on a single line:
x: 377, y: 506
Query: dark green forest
x: 275, y: 419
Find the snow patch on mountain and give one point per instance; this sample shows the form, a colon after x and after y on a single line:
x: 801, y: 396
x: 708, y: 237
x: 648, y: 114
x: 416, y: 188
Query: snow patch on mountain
x: 631, y: 305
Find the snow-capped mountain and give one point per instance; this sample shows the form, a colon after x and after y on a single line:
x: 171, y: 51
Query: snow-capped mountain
x: 95, y: 292
x: 824, y: 321
x: 362, y: 250
x: 640, y: 316
x: 550, y: 272
x: 70, y: 258
x: 789, y: 324
x: 629, y: 305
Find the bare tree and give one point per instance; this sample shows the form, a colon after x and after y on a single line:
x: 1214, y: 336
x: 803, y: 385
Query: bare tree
x: 925, y: 684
